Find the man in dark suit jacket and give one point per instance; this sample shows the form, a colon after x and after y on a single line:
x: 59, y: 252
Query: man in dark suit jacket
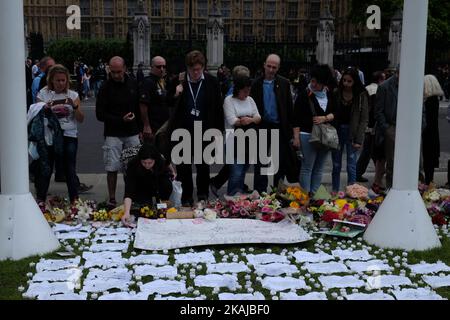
x: 386, y: 118
x: 272, y: 96
x: 197, y: 100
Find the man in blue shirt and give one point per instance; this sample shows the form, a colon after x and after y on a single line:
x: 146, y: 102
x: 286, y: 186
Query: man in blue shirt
x: 272, y: 95
x: 44, y: 65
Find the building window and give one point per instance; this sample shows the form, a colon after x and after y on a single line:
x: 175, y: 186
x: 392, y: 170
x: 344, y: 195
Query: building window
x: 109, y: 30
x: 108, y: 8
x: 201, y: 29
x: 292, y: 32
x: 292, y: 10
x: 85, y: 6
x: 270, y: 33
x: 226, y: 8
x: 131, y: 7
x: 248, y: 9
x: 248, y: 32
x: 269, y: 10
x: 85, y: 30
x: 202, y: 8
x: 179, y: 8
x: 315, y: 9
x: 156, y: 28
x: 179, y: 31
x: 156, y: 8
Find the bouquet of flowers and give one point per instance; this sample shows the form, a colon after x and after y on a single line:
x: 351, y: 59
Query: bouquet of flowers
x: 357, y: 191
x: 293, y: 197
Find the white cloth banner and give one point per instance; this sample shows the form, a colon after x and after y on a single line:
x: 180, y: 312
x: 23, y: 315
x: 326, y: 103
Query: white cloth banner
x: 173, y: 234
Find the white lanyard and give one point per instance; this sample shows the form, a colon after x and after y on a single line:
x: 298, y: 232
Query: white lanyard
x: 196, y: 96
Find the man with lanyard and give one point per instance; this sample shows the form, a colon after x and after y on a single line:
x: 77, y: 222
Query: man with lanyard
x: 272, y: 95
x: 154, y: 103
x: 198, y: 99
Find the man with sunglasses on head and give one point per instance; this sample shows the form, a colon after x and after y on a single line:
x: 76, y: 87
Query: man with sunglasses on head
x: 154, y: 98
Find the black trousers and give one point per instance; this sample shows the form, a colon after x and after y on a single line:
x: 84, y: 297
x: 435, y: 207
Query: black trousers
x: 184, y: 175
x: 366, y: 155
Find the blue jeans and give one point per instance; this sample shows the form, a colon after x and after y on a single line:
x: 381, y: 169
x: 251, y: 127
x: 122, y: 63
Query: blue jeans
x: 237, y: 178
x: 345, y: 140
x: 312, y: 165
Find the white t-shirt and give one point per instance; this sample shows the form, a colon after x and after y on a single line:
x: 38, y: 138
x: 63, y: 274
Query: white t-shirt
x: 68, y: 124
x: 235, y: 108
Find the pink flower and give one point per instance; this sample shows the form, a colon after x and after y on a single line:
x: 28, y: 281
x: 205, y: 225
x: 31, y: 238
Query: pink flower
x: 244, y: 213
x: 246, y: 203
x: 266, y: 210
x: 219, y: 206
x: 224, y: 214
x: 266, y: 202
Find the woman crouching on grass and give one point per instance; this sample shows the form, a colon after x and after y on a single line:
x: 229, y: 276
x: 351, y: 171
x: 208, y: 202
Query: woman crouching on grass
x: 148, y: 178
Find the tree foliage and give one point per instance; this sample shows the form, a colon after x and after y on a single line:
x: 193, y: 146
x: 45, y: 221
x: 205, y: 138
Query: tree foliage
x: 438, y: 17
x: 67, y: 51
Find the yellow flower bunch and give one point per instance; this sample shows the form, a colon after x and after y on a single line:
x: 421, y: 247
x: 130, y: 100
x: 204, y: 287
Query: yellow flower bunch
x: 147, y: 212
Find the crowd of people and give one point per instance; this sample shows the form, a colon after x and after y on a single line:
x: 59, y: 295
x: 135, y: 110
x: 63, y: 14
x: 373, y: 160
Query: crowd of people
x: 142, y: 112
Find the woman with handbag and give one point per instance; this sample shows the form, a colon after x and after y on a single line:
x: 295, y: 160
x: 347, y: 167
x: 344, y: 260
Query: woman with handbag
x: 352, y: 116
x: 314, y: 107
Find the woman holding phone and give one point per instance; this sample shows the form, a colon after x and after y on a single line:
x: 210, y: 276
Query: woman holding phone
x: 65, y: 105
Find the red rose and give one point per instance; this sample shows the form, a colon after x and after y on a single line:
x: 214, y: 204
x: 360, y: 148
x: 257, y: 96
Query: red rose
x: 439, y: 219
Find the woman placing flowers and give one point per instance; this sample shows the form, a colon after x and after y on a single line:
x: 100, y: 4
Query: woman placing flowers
x: 148, y: 178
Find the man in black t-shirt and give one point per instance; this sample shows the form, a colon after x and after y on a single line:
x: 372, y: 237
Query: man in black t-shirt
x: 154, y: 98
x: 117, y: 107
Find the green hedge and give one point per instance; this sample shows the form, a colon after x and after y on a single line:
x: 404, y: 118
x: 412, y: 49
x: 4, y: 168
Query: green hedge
x: 67, y: 51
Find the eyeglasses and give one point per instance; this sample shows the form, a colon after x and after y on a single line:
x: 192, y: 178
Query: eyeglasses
x: 161, y: 66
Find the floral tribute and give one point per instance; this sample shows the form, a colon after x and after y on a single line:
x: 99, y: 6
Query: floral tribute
x: 265, y: 207
x: 293, y: 197
x: 286, y: 202
x: 437, y: 202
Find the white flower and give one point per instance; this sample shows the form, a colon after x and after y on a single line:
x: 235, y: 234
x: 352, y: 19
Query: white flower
x: 20, y: 288
x: 275, y: 298
x: 196, y: 293
x: 32, y: 264
x: 334, y: 295
x: 94, y: 296
x: 250, y: 290
x: 177, y: 251
x: 29, y: 274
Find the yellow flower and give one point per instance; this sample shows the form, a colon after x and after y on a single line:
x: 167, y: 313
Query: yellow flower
x: 294, y: 204
x: 341, y: 203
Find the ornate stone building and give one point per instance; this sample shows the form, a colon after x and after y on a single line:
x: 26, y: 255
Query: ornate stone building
x: 245, y: 20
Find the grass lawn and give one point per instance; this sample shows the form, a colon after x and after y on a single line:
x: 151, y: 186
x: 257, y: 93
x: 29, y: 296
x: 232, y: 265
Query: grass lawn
x: 14, y: 273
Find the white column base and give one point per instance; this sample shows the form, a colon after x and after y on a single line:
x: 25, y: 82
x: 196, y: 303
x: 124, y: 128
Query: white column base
x: 24, y: 232
x: 402, y: 222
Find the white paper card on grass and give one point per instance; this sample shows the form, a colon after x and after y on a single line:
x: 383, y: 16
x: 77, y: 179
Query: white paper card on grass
x: 173, y: 234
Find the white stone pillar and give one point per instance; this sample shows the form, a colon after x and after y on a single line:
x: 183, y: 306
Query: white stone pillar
x: 23, y: 229
x: 325, y: 38
x: 402, y: 222
x: 215, y: 40
x: 395, y: 40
